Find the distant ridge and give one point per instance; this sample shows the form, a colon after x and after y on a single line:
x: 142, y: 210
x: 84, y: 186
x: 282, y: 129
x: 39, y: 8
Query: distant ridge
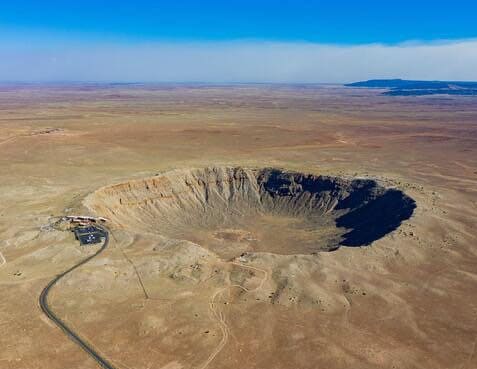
x: 402, y: 87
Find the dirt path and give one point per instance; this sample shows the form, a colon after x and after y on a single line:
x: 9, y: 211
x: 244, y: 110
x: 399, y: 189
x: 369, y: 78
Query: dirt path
x: 219, y: 316
x: 141, y: 283
x: 8, y: 139
x: 468, y: 362
x: 2, y: 259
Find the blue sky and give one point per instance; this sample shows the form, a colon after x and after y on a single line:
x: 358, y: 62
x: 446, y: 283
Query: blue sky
x: 338, y: 21
x: 73, y: 37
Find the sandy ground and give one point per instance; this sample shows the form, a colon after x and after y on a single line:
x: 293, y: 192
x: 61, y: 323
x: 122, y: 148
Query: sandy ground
x: 407, y: 301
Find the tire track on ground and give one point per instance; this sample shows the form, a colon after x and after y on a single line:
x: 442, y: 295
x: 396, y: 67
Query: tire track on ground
x: 141, y: 284
x: 219, y: 316
x: 4, y: 261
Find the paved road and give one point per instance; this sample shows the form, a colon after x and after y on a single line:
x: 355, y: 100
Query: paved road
x: 62, y: 325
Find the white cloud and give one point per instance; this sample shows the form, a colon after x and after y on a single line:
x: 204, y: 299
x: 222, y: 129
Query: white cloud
x: 240, y: 61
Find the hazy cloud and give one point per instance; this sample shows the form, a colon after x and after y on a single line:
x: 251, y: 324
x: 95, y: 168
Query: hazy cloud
x: 241, y: 61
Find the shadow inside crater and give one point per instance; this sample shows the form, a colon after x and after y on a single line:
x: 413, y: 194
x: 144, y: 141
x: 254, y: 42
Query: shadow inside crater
x: 370, y: 210
x: 376, y: 218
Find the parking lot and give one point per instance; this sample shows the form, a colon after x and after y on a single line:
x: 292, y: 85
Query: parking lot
x: 89, y: 235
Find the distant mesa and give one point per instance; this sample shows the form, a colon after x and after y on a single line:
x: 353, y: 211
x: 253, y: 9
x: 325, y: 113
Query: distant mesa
x: 402, y: 87
x: 234, y: 210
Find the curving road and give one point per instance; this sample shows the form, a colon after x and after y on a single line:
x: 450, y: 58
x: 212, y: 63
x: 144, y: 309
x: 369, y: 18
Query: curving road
x: 62, y: 325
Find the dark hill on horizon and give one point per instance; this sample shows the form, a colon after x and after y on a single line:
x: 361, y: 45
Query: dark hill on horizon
x: 402, y: 87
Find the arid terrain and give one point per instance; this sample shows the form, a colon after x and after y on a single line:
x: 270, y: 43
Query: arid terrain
x: 251, y: 226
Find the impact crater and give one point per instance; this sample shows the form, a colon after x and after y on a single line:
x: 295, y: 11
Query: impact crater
x: 235, y: 210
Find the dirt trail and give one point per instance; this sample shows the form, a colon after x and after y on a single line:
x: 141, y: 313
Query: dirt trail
x: 219, y: 316
x: 3, y: 260
x: 9, y: 139
x: 136, y: 272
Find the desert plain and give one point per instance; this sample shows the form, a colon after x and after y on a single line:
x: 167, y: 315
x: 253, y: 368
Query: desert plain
x: 192, y: 284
